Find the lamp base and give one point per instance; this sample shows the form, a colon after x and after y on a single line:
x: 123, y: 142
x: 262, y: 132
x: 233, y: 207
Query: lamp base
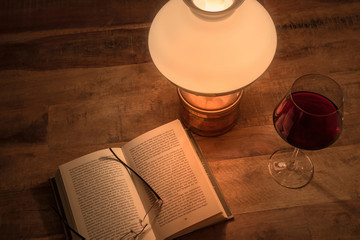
x: 211, y: 121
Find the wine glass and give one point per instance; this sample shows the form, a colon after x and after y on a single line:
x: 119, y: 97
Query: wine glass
x: 309, y: 117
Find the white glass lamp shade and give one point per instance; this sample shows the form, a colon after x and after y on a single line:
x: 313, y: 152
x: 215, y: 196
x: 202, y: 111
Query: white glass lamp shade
x: 212, y: 56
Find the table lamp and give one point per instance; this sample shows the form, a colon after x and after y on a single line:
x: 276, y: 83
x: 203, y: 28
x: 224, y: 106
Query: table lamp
x: 211, y: 50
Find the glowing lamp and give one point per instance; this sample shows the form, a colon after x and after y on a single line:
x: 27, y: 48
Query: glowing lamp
x: 211, y: 50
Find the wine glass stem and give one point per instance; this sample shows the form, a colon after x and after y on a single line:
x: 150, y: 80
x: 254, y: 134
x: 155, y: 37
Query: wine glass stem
x: 293, y: 158
x: 295, y: 153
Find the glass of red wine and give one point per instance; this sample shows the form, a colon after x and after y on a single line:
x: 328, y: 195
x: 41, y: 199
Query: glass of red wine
x: 309, y: 117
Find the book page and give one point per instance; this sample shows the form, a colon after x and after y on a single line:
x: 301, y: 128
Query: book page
x: 102, y: 197
x: 165, y: 158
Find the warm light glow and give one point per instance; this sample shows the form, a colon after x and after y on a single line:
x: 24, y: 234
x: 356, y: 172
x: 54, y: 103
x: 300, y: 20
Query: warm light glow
x: 209, y: 115
x: 210, y: 102
x: 213, y: 5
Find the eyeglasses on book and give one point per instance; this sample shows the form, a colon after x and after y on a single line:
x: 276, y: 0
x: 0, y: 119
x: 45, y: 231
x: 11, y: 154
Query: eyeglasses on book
x: 143, y: 222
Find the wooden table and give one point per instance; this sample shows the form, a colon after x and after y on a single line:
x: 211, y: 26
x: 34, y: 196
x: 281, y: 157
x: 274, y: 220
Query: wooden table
x: 76, y: 76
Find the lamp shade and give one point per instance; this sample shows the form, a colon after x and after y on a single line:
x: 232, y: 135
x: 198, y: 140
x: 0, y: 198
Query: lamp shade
x: 212, y: 56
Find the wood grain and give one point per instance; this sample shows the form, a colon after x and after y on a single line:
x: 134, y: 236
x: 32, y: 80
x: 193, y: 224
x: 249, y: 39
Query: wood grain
x: 76, y: 77
x: 27, y: 15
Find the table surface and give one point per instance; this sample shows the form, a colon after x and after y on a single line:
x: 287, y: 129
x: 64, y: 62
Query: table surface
x: 76, y: 76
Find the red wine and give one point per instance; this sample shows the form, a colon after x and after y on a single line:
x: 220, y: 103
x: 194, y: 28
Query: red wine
x: 308, y: 120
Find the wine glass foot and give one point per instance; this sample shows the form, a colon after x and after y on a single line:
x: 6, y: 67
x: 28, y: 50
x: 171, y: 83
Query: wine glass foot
x: 291, y: 168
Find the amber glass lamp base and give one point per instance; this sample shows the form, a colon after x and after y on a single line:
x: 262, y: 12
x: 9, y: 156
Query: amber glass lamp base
x: 209, y: 115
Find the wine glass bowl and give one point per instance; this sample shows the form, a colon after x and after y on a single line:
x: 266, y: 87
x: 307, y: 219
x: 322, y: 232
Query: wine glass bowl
x: 309, y: 117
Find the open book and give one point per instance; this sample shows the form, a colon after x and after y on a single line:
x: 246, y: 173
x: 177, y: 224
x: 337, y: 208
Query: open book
x: 102, y: 199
